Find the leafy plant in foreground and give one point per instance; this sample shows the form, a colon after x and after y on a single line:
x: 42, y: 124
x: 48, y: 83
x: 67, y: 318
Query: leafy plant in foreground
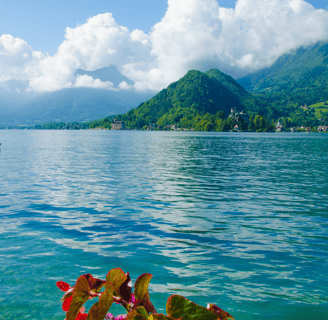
x: 117, y: 288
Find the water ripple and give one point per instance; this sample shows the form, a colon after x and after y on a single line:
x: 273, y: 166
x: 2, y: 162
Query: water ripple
x: 235, y: 219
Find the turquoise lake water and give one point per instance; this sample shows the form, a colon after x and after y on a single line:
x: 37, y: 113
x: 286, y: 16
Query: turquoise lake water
x: 239, y: 220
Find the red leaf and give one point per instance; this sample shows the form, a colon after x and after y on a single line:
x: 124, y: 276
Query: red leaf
x: 222, y: 315
x: 125, y: 289
x: 94, y: 284
x: 81, y: 316
x: 63, y: 285
x: 67, y: 303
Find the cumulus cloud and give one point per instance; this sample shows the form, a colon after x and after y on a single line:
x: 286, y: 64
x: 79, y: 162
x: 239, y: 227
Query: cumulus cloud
x: 16, y: 56
x: 265, y: 29
x: 125, y: 86
x: 98, y: 43
x: 193, y: 34
x: 199, y: 34
x: 89, y: 82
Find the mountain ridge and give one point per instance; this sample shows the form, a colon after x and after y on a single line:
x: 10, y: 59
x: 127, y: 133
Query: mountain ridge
x: 300, y: 77
x: 195, y: 94
x: 110, y: 74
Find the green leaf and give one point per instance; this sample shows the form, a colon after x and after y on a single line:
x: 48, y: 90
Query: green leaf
x: 139, y: 313
x: 141, y: 286
x: 147, y: 304
x: 81, y: 294
x: 142, y: 311
x: 100, y: 309
x: 117, y: 277
x: 141, y: 292
x: 67, y: 295
x: 180, y: 307
x: 221, y: 314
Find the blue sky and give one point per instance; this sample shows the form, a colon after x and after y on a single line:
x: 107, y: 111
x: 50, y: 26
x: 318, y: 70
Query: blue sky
x: 42, y: 23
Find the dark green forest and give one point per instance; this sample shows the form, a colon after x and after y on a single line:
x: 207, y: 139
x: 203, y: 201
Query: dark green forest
x: 295, y: 80
x: 199, y: 101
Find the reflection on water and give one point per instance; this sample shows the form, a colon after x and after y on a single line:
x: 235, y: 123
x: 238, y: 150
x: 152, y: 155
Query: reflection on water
x: 235, y: 219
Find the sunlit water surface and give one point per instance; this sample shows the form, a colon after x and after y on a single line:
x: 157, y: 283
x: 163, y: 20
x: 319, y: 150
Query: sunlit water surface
x: 239, y: 220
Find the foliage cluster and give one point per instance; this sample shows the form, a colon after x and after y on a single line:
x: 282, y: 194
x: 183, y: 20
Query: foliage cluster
x: 117, y: 289
x: 60, y: 126
x: 102, y: 123
x: 260, y: 124
x: 194, y: 98
x: 294, y: 115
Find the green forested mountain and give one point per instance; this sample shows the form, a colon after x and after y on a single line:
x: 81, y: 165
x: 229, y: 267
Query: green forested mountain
x: 286, y: 91
x: 300, y: 77
x: 193, y: 96
x: 229, y: 82
x: 295, y: 81
x: 253, y: 104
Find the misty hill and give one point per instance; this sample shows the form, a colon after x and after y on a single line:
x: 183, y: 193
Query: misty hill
x: 300, y: 77
x: 77, y: 104
x: 106, y: 74
x: 195, y: 94
x: 73, y: 104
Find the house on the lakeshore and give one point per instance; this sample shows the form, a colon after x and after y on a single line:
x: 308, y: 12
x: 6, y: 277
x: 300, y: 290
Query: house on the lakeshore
x: 118, y: 125
x: 236, y: 115
x: 279, y: 127
x: 244, y: 115
x: 236, y: 128
x: 151, y: 126
x: 323, y: 128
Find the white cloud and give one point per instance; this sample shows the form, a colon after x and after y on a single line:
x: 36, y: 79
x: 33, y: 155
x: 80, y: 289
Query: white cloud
x: 193, y: 34
x: 199, y: 34
x: 98, y: 43
x: 124, y: 86
x: 88, y: 82
x: 15, y: 57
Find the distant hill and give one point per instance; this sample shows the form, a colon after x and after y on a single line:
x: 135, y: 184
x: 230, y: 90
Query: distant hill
x: 300, y: 77
x: 106, y: 74
x: 73, y: 104
x: 11, y: 100
x: 77, y: 104
x: 197, y: 93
